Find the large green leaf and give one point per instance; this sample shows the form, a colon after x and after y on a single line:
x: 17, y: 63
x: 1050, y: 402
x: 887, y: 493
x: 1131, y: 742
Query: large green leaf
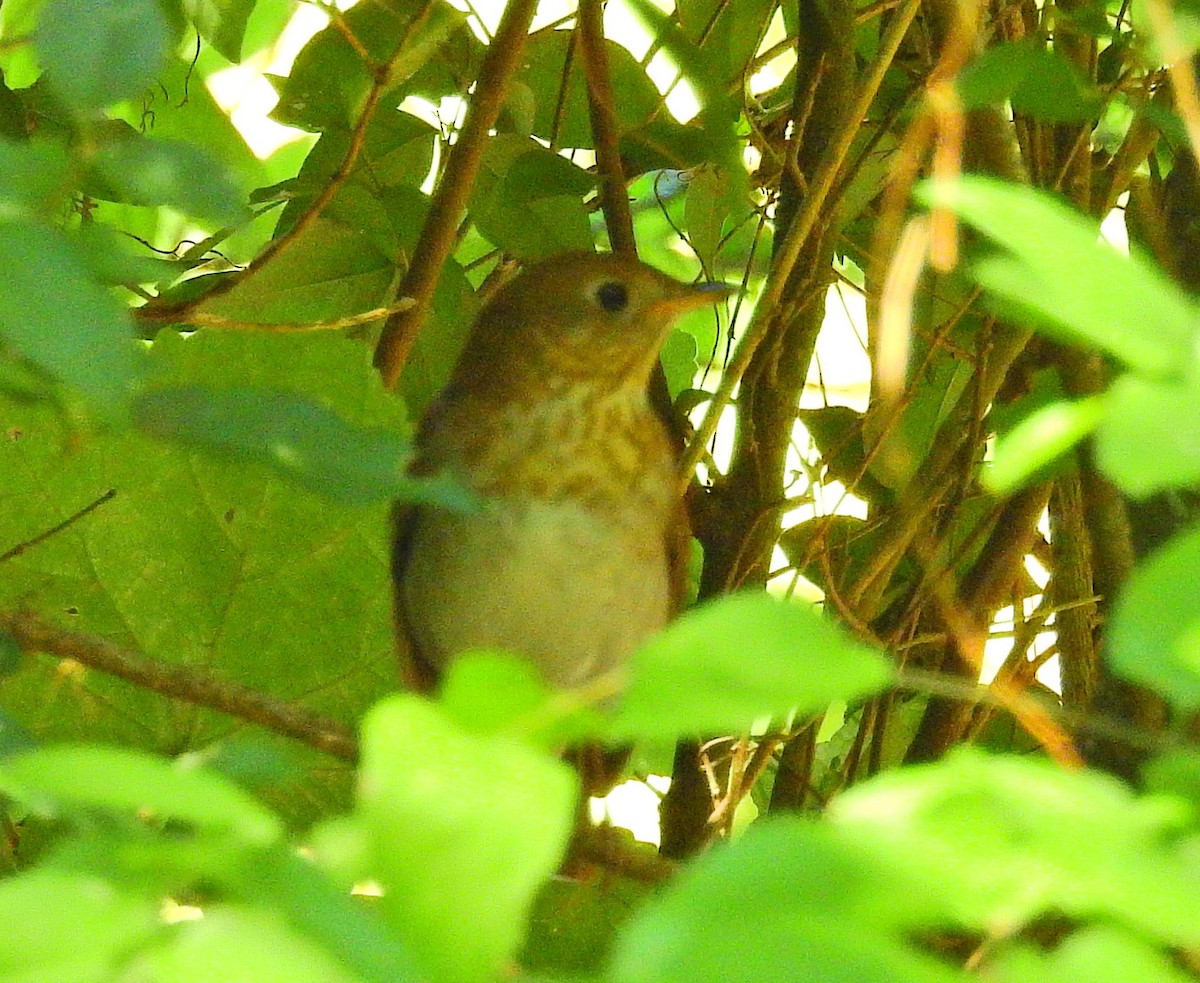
x: 1154, y: 636
x: 529, y: 200
x: 1039, y: 440
x: 1014, y: 839
x: 330, y: 80
x: 817, y: 907
x: 559, y: 89
x: 142, y: 171
x: 298, y: 438
x: 463, y: 828
x: 97, y: 52
x: 1038, y: 81
x: 56, y: 315
x: 1055, y: 270
x: 202, y: 562
x: 723, y: 665
x: 239, y: 942
x: 221, y: 22
x: 71, y: 778
x: 34, y: 176
x: 1150, y: 437
x: 70, y: 927
x: 326, y: 272
x: 1098, y: 954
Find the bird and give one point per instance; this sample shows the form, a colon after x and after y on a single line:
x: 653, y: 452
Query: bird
x: 577, y: 551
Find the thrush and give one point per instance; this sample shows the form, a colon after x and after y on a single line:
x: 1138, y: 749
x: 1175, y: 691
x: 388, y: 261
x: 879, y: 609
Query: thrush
x: 576, y: 555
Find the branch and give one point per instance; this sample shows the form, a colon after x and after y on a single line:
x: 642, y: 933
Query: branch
x: 768, y: 309
x: 618, y: 219
x: 34, y: 634
x: 453, y: 192
x: 202, y: 319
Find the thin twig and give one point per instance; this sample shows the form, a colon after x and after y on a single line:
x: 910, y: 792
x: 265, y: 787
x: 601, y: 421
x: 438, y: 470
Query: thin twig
x: 34, y: 634
x: 54, y: 530
x: 202, y: 319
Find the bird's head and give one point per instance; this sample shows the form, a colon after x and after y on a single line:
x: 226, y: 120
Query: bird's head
x: 578, y: 318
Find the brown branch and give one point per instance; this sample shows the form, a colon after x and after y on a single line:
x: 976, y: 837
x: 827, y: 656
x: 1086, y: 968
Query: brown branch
x: 614, y: 200
x: 1072, y: 579
x: 439, y: 234
x: 34, y: 634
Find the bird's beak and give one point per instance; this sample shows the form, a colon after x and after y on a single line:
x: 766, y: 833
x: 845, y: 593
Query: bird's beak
x: 691, y: 297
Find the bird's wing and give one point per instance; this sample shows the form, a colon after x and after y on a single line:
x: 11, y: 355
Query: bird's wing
x: 415, y: 672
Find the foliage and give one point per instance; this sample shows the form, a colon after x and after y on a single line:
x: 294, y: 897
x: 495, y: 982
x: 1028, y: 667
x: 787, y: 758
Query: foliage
x: 196, y: 350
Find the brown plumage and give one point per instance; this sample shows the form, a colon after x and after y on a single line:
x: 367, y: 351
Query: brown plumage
x: 576, y: 556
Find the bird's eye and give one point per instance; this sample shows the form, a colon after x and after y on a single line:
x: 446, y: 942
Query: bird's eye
x: 612, y: 296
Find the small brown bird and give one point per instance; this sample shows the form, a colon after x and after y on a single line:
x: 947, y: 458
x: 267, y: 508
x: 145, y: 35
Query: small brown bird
x: 576, y: 555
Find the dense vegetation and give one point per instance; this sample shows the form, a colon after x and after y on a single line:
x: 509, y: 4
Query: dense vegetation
x: 209, y: 367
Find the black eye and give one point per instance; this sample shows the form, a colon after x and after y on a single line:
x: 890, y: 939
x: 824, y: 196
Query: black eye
x: 612, y: 296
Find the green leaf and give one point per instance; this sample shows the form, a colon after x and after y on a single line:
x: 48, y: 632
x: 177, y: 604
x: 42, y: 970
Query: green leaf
x: 10, y: 653
x: 559, y: 89
x: 329, y: 82
x: 34, y: 176
x: 664, y: 143
x: 18, y: 62
x: 1154, y: 636
x: 1039, y: 82
x: 234, y: 942
x: 1175, y: 772
x: 529, y: 201
x: 1083, y: 291
x: 706, y: 208
x: 747, y: 656
x: 67, y: 926
x: 437, y: 348
x: 497, y: 693
x: 66, y: 777
x: 817, y: 906
x: 1039, y: 440
x: 222, y: 23
x: 55, y: 314
x: 707, y: 70
x: 297, y: 437
x: 115, y: 258
x: 326, y: 272
x: 678, y: 357
x: 203, y: 562
x: 1150, y: 437
x: 326, y: 914
x: 1097, y: 953
x: 398, y: 150
x: 97, y: 52
x: 1002, y: 837
x: 144, y: 171
x: 729, y: 34
x: 464, y: 829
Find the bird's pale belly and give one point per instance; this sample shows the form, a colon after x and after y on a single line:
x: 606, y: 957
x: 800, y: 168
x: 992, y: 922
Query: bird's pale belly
x: 573, y: 590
